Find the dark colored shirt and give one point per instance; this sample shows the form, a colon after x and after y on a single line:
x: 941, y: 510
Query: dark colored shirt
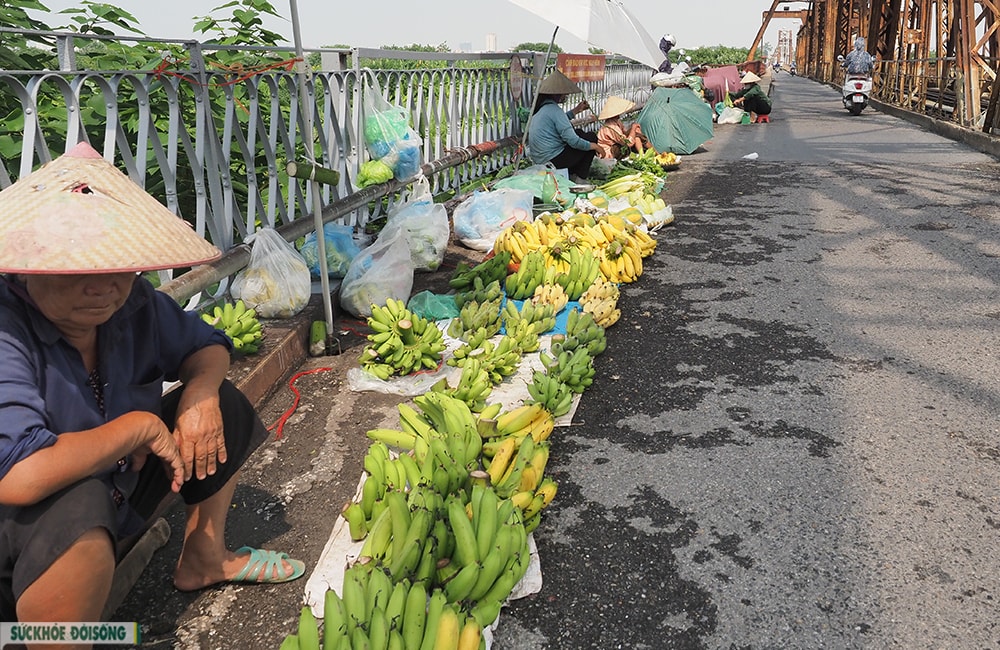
x: 44, y: 387
x: 752, y: 91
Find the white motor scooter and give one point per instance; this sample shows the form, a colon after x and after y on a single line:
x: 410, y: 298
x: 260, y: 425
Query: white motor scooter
x: 856, y: 91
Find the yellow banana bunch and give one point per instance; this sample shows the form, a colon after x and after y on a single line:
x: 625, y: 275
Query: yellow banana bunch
x: 621, y: 262
x: 604, y: 312
x: 600, y: 289
x: 552, y: 294
x: 519, y: 239
x: 645, y: 242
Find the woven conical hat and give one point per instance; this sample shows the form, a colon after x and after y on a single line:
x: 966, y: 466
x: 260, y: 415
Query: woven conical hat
x: 80, y: 214
x: 614, y: 107
x: 750, y: 78
x: 557, y: 84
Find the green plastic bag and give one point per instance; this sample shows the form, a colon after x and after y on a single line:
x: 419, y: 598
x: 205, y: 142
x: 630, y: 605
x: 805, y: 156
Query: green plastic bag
x: 433, y: 306
x: 542, y: 184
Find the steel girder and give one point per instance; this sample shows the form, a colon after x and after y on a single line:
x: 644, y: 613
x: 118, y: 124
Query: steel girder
x: 936, y: 56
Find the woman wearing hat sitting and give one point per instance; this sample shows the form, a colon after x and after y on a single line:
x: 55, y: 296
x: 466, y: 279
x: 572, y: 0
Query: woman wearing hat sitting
x: 752, y: 98
x: 551, y: 136
x: 89, y: 445
x: 614, y: 138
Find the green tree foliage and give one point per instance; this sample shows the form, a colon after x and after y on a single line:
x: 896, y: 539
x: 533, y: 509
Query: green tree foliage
x: 715, y: 55
x: 20, y: 51
x: 536, y: 47
x: 243, y: 26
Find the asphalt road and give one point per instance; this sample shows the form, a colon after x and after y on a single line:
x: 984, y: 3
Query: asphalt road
x: 791, y: 441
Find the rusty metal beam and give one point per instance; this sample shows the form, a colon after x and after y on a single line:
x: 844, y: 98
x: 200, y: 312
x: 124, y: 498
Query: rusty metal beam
x: 752, y: 52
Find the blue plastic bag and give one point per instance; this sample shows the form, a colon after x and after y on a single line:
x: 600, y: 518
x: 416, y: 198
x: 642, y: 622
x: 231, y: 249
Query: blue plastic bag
x: 340, y: 250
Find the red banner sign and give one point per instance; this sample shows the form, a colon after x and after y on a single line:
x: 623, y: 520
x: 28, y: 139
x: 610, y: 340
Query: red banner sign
x: 581, y: 67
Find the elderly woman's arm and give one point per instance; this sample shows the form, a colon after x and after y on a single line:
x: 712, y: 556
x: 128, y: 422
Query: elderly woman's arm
x: 79, y: 454
x: 198, y: 428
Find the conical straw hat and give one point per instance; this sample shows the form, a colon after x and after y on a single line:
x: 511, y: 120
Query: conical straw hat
x: 80, y: 214
x: 557, y: 84
x: 750, y: 78
x: 614, y: 107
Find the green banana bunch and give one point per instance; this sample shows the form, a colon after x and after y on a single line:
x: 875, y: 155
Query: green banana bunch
x: 493, y: 269
x: 548, y: 391
x: 584, y: 268
x: 541, y: 316
x: 479, y: 293
x: 240, y: 323
x: 580, y: 325
x: 474, y: 316
x: 522, y: 283
x: 575, y: 369
x: 524, y: 335
x: 401, y: 342
x: 474, y: 385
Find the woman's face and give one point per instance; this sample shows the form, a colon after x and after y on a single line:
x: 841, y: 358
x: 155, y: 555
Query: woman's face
x: 79, y: 302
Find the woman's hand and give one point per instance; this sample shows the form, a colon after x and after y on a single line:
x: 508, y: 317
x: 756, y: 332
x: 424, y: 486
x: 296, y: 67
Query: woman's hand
x: 198, y: 425
x: 581, y: 107
x: 199, y: 434
x: 162, y: 445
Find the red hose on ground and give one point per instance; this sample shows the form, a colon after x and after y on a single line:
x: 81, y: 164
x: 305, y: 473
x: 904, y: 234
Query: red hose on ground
x: 280, y: 424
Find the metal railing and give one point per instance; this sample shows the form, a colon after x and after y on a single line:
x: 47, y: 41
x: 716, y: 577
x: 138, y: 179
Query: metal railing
x: 212, y: 142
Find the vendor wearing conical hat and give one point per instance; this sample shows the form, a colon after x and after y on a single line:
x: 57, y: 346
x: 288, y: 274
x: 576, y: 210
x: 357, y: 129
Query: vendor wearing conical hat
x: 551, y: 135
x: 615, y: 139
x: 752, y: 97
x: 89, y: 446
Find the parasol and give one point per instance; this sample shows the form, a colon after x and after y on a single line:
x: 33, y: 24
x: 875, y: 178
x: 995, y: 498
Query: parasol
x: 677, y: 120
x: 606, y: 24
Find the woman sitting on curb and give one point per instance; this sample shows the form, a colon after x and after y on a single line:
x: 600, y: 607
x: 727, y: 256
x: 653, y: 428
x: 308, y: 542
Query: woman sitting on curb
x: 89, y: 446
x: 614, y: 138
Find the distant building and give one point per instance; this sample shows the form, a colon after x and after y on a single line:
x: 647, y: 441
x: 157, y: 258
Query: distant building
x: 491, y: 42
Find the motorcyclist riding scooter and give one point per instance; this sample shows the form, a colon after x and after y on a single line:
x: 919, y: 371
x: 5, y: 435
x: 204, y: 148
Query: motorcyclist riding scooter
x: 858, y: 79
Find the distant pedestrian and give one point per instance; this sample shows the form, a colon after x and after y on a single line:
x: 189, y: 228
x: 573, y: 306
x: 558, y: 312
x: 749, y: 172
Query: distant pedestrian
x: 666, y: 43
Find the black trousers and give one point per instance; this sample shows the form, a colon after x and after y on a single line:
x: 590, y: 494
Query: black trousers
x: 33, y: 537
x: 577, y: 161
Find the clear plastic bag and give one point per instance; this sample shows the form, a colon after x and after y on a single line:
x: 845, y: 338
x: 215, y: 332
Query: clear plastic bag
x: 480, y: 218
x: 731, y: 115
x: 276, y: 283
x: 340, y: 250
x: 388, y: 135
x: 425, y: 224
x: 383, y: 270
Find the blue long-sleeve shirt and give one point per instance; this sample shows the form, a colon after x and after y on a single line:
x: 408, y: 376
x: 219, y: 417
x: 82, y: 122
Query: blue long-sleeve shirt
x: 550, y: 132
x: 43, y: 386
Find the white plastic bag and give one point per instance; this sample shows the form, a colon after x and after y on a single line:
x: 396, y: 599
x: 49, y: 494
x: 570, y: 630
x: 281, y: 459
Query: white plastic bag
x: 731, y: 115
x: 425, y: 225
x: 383, y: 270
x: 276, y: 283
x: 480, y: 218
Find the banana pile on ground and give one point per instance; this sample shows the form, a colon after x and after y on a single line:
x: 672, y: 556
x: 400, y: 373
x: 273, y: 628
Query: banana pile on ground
x: 441, y: 546
x: 448, y: 499
x: 240, y: 324
x: 401, y: 342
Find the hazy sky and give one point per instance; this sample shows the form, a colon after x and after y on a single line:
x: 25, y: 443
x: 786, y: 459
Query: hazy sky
x: 373, y: 23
